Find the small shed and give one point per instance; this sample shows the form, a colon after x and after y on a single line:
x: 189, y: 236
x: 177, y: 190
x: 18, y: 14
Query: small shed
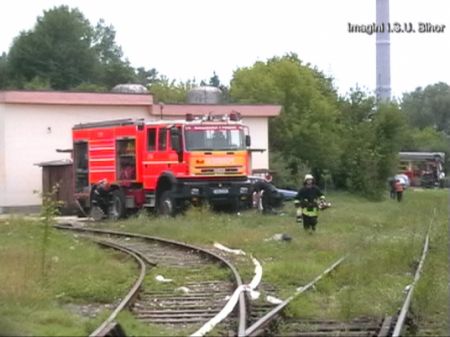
x: 59, y: 172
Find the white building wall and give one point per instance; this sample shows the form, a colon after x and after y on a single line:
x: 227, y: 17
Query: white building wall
x: 2, y: 157
x: 259, y: 132
x: 32, y: 134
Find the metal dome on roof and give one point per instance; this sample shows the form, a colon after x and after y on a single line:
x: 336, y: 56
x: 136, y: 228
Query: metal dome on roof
x: 204, y: 95
x: 130, y: 88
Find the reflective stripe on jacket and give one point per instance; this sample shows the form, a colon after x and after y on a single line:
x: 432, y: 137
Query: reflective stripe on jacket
x: 311, y: 211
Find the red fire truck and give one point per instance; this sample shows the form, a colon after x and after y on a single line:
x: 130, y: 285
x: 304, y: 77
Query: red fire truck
x: 423, y: 168
x: 126, y: 165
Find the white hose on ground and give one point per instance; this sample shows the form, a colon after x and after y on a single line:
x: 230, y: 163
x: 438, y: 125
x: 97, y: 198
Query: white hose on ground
x: 229, y: 250
x: 228, y: 308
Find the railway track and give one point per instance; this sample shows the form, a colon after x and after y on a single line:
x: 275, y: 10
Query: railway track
x: 181, y: 307
x: 187, y: 311
x: 272, y: 323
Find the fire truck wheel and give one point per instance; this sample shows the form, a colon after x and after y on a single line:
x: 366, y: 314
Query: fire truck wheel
x: 117, y: 208
x: 166, y: 204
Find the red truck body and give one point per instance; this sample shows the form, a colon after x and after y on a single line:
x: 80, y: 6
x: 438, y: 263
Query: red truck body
x: 162, y: 164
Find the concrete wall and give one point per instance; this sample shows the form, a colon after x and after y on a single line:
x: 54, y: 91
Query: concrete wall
x: 32, y: 134
x: 259, y: 132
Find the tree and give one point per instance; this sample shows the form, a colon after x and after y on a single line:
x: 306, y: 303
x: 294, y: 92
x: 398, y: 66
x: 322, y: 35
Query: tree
x: 64, y: 50
x: 428, y: 113
x: 214, y: 80
x: 169, y: 91
x: 428, y: 140
x: 145, y: 77
x: 3, y: 71
x: 375, y: 136
x: 111, y: 68
x: 306, y: 132
x: 57, y: 50
x: 429, y: 107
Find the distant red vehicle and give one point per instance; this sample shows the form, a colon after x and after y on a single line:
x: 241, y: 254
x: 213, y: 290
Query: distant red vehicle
x: 126, y: 165
x: 422, y: 168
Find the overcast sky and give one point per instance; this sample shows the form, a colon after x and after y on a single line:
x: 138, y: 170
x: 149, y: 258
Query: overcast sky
x: 184, y: 39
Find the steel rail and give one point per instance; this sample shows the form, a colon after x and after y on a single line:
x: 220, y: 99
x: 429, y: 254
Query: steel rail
x: 257, y: 328
x: 405, y: 308
x: 238, y: 280
x: 105, y: 327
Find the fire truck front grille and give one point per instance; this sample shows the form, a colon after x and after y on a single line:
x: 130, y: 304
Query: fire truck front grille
x: 219, y: 171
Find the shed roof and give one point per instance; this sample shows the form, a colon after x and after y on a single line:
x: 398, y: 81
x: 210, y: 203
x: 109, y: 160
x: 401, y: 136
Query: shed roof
x: 58, y: 162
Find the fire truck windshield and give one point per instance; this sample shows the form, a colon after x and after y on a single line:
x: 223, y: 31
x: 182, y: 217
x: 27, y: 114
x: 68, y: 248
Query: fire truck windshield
x: 214, y: 138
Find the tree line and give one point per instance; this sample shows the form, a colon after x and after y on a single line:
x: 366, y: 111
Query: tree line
x: 348, y: 141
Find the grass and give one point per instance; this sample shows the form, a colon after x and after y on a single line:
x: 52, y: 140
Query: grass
x: 78, y: 272
x: 430, y: 302
x: 383, y: 239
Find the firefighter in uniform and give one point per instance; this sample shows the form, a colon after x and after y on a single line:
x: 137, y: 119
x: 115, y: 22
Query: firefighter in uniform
x: 267, y: 198
x: 308, y: 201
x: 101, y: 195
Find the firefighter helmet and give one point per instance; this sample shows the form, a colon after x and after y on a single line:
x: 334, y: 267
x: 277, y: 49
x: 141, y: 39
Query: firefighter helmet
x: 308, y: 177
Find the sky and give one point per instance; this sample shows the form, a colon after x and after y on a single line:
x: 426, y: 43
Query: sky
x: 186, y: 39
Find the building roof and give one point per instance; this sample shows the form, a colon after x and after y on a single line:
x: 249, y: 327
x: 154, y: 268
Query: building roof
x: 246, y: 110
x: 127, y: 99
x: 74, y: 98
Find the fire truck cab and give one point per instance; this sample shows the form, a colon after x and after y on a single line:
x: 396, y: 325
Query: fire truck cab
x: 126, y: 165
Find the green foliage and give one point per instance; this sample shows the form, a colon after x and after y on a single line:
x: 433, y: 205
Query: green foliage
x: 374, y: 137
x: 82, y: 277
x: 288, y: 174
x: 37, y: 83
x: 428, y: 114
x: 307, y: 129
x: 429, y: 107
x: 169, y: 91
x: 145, y: 77
x: 50, y: 209
x: 215, y: 82
x: 63, y: 51
x: 430, y: 297
x: 429, y: 140
x: 90, y: 87
x: 383, y: 239
x: 316, y: 129
x: 3, y: 71
x: 57, y: 50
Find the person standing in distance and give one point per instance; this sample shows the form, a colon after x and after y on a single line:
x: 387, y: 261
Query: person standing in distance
x: 399, y: 190
x: 307, y: 202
